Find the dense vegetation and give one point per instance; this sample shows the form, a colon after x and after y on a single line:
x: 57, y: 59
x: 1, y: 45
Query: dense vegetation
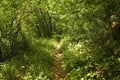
x: 88, y: 32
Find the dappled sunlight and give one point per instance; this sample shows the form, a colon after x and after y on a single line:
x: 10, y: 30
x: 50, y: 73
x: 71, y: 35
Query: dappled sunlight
x: 35, y: 62
x: 58, y: 55
x: 56, y: 69
x: 58, y: 46
x: 59, y: 40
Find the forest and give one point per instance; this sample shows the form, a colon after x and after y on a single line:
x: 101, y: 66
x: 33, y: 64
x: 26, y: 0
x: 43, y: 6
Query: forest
x: 59, y: 39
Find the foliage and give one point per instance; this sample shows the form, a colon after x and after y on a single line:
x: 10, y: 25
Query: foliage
x: 12, y: 39
x: 89, y: 32
x: 30, y: 65
x: 25, y: 51
x: 90, y: 50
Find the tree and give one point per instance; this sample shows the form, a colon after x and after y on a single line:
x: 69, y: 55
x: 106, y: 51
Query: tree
x: 90, y: 25
x: 10, y: 28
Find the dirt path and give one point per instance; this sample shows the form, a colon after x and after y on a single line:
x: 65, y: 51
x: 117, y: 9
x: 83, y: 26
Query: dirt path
x: 56, y: 70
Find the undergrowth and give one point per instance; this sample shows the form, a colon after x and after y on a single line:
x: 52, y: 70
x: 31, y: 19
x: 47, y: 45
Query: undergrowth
x: 30, y: 65
x: 83, y: 61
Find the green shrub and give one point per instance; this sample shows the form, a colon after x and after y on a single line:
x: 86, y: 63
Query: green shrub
x: 32, y: 65
x: 88, y: 61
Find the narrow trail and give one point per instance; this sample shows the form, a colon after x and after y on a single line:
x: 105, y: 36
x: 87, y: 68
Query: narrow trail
x: 56, y: 69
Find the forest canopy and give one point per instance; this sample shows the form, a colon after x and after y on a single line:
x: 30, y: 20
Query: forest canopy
x: 88, y: 32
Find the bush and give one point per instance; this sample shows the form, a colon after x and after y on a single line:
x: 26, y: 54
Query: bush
x: 32, y: 65
x: 85, y: 60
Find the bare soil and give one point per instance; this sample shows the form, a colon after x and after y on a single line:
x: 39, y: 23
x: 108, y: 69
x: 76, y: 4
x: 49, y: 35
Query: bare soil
x: 56, y: 69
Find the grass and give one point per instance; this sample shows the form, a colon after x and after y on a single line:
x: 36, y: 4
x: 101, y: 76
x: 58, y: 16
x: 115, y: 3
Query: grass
x: 30, y: 65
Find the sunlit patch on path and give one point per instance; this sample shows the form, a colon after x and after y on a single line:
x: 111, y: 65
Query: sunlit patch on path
x: 56, y: 70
